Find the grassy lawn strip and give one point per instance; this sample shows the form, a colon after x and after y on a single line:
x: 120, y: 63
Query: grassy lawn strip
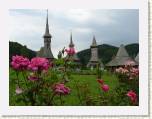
x: 84, y: 84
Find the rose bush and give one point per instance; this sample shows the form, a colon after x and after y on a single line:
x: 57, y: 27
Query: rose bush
x: 129, y: 82
x: 35, y: 74
x: 42, y: 82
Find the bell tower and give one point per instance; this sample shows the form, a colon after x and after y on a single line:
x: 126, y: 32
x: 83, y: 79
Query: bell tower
x: 46, y: 50
x: 94, y: 54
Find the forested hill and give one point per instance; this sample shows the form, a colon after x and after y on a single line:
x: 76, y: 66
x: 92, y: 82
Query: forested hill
x: 106, y: 52
x: 18, y: 49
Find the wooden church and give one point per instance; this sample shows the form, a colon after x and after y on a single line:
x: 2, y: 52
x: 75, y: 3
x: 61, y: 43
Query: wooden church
x: 121, y: 58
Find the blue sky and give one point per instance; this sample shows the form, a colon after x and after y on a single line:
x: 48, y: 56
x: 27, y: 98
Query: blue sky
x: 112, y: 27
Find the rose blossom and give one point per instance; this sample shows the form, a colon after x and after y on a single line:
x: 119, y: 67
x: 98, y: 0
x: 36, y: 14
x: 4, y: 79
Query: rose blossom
x: 121, y: 70
x: 129, y: 63
x: 105, y: 87
x: 19, y: 62
x: 134, y: 71
x: 100, y: 81
x: 18, y: 91
x: 38, y: 64
x: 70, y: 51
x: 132, y: 95
x: 61, y: 89
x: 33, y: 78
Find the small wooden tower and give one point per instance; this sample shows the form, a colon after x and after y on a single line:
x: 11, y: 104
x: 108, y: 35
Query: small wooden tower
x: 94, y: 60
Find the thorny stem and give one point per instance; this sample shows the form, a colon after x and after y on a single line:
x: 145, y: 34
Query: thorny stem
x: 25, y: 79
x: 17, y: 78
x: 51, y: 99
x: 65, y: 65
x: 78, y: 93
x: 65, y: 70
x: 61, y: 99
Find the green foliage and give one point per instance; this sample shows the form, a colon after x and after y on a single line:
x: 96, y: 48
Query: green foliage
x: 125, y: 85
x: 107, y: 52
x: 17, y: 49
x: 85, y: 72
x: 59, y: 62
x: 85, y: 91
x: 132, y: 49
x: 35, y: 93
x: 98, y: 71
x: 119, y: 98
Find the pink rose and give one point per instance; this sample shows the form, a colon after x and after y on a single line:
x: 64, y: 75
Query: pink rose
x: 19, y: 62
x: 70, y: 51
x: 61, y: 89
x: 100, y: 81
x: 132, y: 95
x: 105, y: 87
x: 33, y: 78
x: 18, y: 91
x: 129, y: 63
x: 39, y: 64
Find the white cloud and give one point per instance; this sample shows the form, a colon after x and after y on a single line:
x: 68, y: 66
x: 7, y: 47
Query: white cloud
x: 82, y: 30
x: 79, y: 15
x: 28, y: 26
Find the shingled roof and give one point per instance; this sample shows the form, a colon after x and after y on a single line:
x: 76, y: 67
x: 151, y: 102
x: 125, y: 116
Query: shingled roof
x: 121, y: 58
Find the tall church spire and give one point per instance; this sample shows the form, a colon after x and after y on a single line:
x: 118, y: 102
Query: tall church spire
x: 71, y: 45
x: 71, y: 41
x: 46, y: 50
x: 47, y: 34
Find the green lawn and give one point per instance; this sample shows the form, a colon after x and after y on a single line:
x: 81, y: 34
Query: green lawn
x: 90, y: 84
x: 83, y: 88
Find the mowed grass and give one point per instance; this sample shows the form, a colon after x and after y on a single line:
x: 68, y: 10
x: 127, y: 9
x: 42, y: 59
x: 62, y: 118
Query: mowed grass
x: 92, y: 85
x: 79, y: 84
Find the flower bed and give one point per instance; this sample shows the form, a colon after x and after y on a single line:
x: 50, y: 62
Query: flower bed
x: 40, y: 82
